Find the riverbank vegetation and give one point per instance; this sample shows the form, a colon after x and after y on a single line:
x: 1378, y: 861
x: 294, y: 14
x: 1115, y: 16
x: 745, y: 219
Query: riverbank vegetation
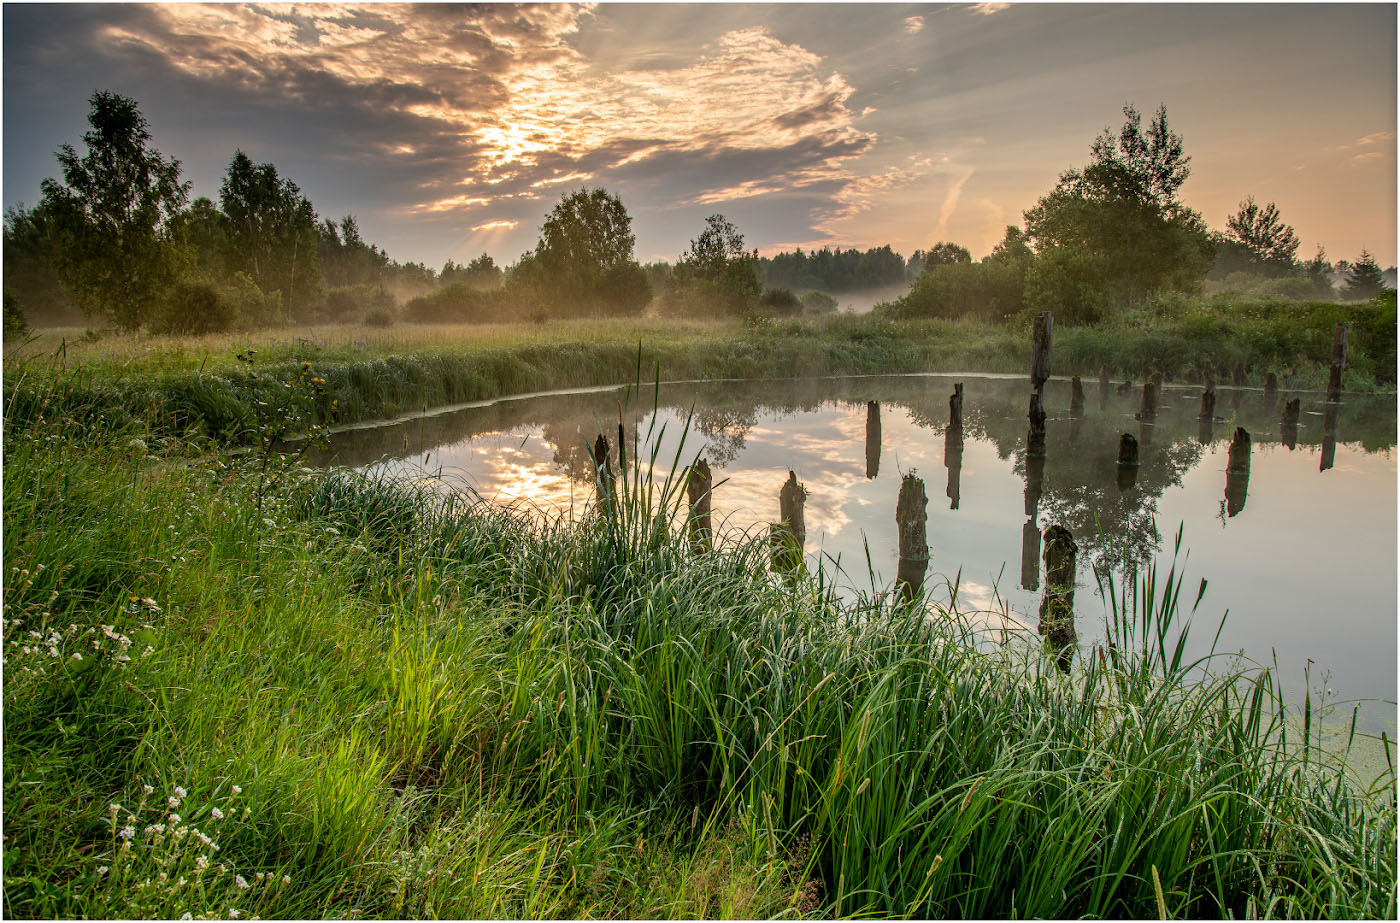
x: 334, y: 696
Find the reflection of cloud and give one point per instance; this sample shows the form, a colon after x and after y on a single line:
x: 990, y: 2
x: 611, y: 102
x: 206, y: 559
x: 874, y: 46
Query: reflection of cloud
x: 914, y: 25
x: 987, y: 9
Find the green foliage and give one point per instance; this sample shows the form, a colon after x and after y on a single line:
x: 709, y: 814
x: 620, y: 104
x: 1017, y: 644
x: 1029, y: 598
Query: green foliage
x: 815, y: 302
x: 16, y: 324
x: 346, y: 259
x: 780, y: 301
x: 1123, y: 210
x: 834, y: 270
x: 352, y: 301
x: 1067, y: 283
x: 939, y: 254
x: 1365, y: 279
x: 113, y: 213
x: 31, y: 250
x: 458, y: 303
x: 379, y: 317
x: 1263, y: 235
x: 272, y: 233
x: 481, y: 272
x: 715, y: 275
x: 194, y: 307
x: 583, y: 263
x: 990, y: 290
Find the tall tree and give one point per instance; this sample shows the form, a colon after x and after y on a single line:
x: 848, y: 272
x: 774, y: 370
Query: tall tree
x: 716, y: 267
x: 1365, y: 278
x: 113, y: 212
x: 583, y: 261
x: 1261, y: 231
x: 273, y: 234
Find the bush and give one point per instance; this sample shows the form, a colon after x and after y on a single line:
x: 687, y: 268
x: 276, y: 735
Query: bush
x: 781, y: 301
x: 815, y: 302
x: 991, y: 290
x: 457, y: 303
x: 195, y: 307
x: 1068, y: 283
x: 252, y: 307
x: 16, y: 324
x: 379, y: 317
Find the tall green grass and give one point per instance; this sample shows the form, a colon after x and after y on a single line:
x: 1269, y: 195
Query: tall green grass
x: 433, y: 707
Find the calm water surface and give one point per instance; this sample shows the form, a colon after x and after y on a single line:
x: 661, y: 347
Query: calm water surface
x: 1301, y: 553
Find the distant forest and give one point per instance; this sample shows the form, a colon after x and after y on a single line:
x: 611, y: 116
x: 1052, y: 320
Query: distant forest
x: 117, y: 242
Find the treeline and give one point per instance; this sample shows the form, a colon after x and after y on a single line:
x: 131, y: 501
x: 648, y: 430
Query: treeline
x: 1113, y: 234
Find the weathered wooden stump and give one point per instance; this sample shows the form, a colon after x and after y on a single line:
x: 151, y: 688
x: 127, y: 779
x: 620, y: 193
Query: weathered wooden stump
x: 1291, y: 409
x: 1270, y: 389
x: 1331, y: 416
x: 1057, y: 606
x: 1239, y: 451
x: 603, y: 474
x: 911, y: 522
x: 952, y: 460
x: 955, y: 405
x: 1208, y: 403
x: 1237, y: 473
x: 1339, y: 363
x: 1076, y: 396
x: 699, y: 483
x: 1040, y: 349
x: 789, y: 534
x: 872, y: 439
x: 1030, y: 556
x: 1148, y: 409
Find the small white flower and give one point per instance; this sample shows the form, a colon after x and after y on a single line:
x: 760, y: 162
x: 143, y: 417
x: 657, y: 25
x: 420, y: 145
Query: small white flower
x: 202, y: 862
x: 174, y: 818
x: 180, y: 792
x: 241, y: 882
x: 148, y: 651
x: 173, y: 802
x: 216, y: 814
x: 286, y: 879
x: 113, y: 808
x: 77, y: 656
x: 233, y: 913
x: 127, y: 832
x: 186, y: 916
x: 102, y: 870
x: 146, y: 790
x: 238, y: 790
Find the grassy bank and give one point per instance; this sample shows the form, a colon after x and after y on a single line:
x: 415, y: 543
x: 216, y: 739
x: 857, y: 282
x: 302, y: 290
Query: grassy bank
x: 372, y: 701
x: 196, y: 386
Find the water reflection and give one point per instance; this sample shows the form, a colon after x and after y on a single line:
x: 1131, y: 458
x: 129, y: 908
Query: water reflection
x: 852, y: 441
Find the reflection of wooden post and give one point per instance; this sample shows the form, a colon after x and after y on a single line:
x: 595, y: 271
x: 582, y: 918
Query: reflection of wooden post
x: 1237, y: 472
x: 1057, y: 607
x: 603, y: 473
x: 1270, y: 389
x: 789, y: 534
x: 1030, y: 556
x: 1148, y: 410
x: 1035, y: 481
x: 1076, y: 396
x: 1103, y: 387
x: 1289, y: 425
x: 1208, y: 402
x: 1127, y: 461
x: 1330, y: 418
x: 1035, y: 439
x: 955, y: 402
x: 1239, y: 377
x: 872, y: 439
x: 1205, y: 430
x: 911, y: 521
x: 698, y: 485
x: 1074, y: 426
x: 952, y: 459
x: 1339, y: 363
x: 1040, y: 349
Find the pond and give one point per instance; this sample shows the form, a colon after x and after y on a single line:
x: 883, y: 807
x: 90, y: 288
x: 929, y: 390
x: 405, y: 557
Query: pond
x: 1300, y: 548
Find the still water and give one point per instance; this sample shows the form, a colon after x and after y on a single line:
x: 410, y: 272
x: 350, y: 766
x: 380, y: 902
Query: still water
x: 1301, y: 550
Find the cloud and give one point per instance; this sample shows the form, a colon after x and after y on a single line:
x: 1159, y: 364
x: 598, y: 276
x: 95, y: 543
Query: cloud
x: 914, y: 25
x: 496, y: 226
x: 1376, y: 138
x: 493, y: 101
x: 1363, y: 158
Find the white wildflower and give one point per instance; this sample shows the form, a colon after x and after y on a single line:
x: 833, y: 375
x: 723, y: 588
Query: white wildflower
x: 127, y: 832
x: 147, y: 790
x: 286, y: 879
x: 216, y: 814
x: 233, y: 913
x: 174, y: 818
x: 238, y: 790
x: 201, y: 863
x: 102, y: 870
x: 241, y: 882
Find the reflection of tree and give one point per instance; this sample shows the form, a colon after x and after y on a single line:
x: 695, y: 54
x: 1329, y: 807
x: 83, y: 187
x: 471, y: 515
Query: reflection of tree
x: 724, y: 429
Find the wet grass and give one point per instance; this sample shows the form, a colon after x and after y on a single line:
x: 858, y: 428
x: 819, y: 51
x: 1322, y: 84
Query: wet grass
x: 380, y: 700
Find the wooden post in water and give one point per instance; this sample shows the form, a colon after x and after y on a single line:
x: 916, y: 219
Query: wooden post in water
x: 1270, y: 389
x: 1035, y: 482
x: 1208, y: 402
x: 1237, y: 472
x: 955, y: 404
x: 952, y: 460
x: 789, y: 534
x: 699, y: 482
x: 1030, y: 556
x: 911, y: 521
x: 1040, y: 349
x: 1330, y: 417
x: 872, y: 439
x: 1148, y: 409
x: 1288, y: 427
x: 1076, y: 396
x: 607, y: 496
x: 1103, y: 387
x: 1339, y: 363
x: 1239, y: 379
x: 1127, y: 461
x: 1057, y: 607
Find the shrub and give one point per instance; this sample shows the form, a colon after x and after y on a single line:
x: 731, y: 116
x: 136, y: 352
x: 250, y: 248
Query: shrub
x: 1068, y: 283
x: 16, y: 324
x: 815, y: 302
x: 379, y: 317
x: 456, y: 303
x: 193, y: 308
x: 991, y: 290
x: 781, y: 301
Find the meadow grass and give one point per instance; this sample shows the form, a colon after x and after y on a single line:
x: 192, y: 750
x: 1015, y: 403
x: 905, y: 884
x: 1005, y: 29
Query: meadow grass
x: 361, y: 697
x: 194, y: 387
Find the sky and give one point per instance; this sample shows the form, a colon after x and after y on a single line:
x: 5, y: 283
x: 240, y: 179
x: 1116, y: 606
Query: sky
x: 449, y: 131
